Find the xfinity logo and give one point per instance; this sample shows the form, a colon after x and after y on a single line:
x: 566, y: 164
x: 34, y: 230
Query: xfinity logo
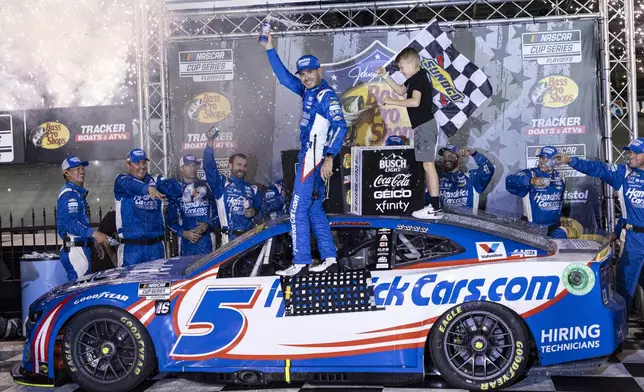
x: 399, y: 206
x: 576, y: 197
x: 391, y: 194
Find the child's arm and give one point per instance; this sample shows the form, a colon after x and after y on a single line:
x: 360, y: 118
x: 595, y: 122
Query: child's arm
x: 412, y: 102
x: 398, y: 89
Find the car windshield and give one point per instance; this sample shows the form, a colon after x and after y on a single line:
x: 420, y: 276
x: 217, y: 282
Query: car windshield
x: 206, y: 259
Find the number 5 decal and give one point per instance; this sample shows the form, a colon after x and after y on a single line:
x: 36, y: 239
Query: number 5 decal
x: 216, y: 324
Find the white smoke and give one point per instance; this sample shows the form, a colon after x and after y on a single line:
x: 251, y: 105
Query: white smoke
x: 58, y: 53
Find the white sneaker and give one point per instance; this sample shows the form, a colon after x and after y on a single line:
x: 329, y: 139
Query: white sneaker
x: 322, y: 267
x: 293, y: 270
x: 428, y: 212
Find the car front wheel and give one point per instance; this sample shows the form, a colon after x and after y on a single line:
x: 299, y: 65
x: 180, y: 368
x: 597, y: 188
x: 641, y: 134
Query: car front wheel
x: 480, y: 345
x: 107, y: 350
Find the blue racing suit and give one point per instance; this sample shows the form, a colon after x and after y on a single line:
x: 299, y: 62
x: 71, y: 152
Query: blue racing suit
x: 541, y: 205
x: 630, y: 185
x: 458, y: 189
x: 73, y: 226
x: 322, y: 131
x: 230, y: 194
x: 139, y: 218
x: 196, y: 205
x: 274, y: 204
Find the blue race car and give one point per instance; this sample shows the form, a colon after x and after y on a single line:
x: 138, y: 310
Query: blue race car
x: 474, y: 299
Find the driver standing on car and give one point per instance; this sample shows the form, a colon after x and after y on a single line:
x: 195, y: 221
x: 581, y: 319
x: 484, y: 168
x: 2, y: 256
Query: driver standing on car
x: 72, y: 221
x: 542, y: 190
x: 459, y: 189
x: 628, y: 180
x: 322, y: 131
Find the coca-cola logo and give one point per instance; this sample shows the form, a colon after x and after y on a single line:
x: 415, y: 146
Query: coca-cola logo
x: 399, y: 180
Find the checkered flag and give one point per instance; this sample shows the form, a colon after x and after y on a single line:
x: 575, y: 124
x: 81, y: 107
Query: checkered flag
x: 460, y: 87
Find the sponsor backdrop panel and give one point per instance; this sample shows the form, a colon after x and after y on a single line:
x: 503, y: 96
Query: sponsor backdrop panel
x: 96, y: 133
x: 545, y: 91
x: 12, y: 137
x: 228, y: 84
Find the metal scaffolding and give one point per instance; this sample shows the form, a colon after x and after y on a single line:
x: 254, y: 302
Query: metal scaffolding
x: 618, y: 66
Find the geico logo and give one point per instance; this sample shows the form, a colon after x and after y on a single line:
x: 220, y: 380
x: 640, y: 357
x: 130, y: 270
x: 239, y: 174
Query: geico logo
x: 390, y: 194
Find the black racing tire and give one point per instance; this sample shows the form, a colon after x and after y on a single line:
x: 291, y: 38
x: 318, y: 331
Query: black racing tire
x: 107, y: 350
x: 480, y: 346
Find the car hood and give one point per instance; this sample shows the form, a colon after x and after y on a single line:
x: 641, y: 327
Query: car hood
x: 165, y: 269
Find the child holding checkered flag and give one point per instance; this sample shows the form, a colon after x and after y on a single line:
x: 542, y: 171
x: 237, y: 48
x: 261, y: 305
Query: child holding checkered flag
x: 419, y: 106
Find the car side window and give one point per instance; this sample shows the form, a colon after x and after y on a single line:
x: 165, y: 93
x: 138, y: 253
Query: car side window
x: 356, y: 247
x: 248, y: 263
x: 411, y: 247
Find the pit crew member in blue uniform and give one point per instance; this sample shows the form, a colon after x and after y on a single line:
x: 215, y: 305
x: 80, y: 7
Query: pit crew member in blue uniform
x: 274, y: 204
x: 192, y: 216
x: 139, y: 211
x: 542, y: 190
x: 322, y: 131
x: 460, y: 189
x: 237, y: 200
x: 628, y: 180
x: 72, y: 221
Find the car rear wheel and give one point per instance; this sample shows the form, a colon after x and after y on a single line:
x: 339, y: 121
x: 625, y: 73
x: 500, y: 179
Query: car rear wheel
x: 480, y: 345
x: 107, y: 350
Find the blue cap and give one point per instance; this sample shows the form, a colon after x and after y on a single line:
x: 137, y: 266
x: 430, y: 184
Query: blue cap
x: 449, y: 147
x: 637, y: 146
x: 548, y: 152
x: 137, y: 155
x: 188, y: 159
x: 307, y: 62
x: 394, y: 140
x: 72, y: 162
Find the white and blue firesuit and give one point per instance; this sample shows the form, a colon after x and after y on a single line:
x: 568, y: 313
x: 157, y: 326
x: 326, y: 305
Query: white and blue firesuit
x: 139, y: 218
x: 274, y: 204
x: 629, y: 183
x: 541, y: 205
x: 459, y: 189
x: 196, y: 205
x: 230, y: 194
x: 73, y: 225
x: 322, y: 130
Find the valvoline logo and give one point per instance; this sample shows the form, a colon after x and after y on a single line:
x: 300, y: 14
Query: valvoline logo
x: 491, y: 250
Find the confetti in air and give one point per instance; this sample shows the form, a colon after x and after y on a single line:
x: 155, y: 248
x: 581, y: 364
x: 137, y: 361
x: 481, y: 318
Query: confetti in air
x: 59, y: 53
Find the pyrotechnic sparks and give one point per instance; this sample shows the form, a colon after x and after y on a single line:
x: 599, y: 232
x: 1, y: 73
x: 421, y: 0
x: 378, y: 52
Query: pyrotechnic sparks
x: 58, y: 53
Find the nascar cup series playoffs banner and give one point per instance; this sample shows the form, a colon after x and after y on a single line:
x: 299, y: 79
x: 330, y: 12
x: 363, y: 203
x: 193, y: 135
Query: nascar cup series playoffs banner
x: 543, y: 76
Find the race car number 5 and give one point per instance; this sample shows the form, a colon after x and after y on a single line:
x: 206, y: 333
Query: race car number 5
x: 216, y: 325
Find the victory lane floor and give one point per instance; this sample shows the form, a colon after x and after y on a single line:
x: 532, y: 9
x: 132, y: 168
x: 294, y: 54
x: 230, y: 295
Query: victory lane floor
x: 624, y: 372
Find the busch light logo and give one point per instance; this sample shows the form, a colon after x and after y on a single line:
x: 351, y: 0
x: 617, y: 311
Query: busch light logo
x: 393, y: 163
x: 576, y: 197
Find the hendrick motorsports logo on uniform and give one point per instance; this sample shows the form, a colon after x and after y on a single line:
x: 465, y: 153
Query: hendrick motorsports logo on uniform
x: 490, y: 250
x: 556, y: 91
x: 552, y: 47
x: 207, y: 65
